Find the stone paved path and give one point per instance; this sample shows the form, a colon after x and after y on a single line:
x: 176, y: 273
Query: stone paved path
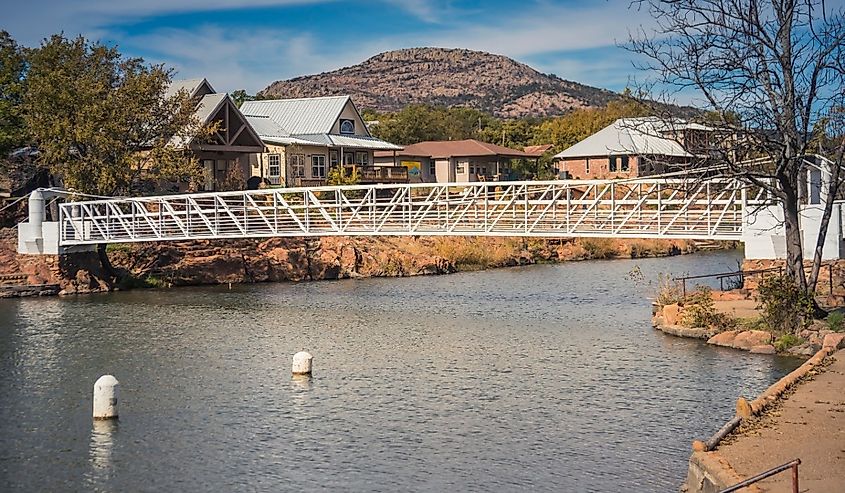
x: 810, y: 425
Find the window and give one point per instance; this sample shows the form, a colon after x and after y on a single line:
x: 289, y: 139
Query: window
x: 472, y: 169
x: 207, y: 175
x: 362, y: 158
x: 318, y: 166
x: 612, y: 162
x: 347, y: 126
x: 461, y: 167
x: 625, y: 166
x: 349, y: 159
x: 587, y: 167
x: 274, y: 165
x: 297, y: 165
x: 333, y: 159
x: 432, y: 169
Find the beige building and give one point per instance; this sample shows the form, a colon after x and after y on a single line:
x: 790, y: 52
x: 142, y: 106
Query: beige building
x: 225, y: 157
x: 448, y: 161
x: 306, y: 138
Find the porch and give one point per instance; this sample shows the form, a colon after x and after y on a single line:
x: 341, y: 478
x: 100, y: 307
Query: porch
x: 367, y: 175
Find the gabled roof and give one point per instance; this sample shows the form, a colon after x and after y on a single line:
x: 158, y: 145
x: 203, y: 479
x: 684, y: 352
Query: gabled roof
x: 459, y: 148
x: 300, y: 116
x: 192, y: 86
x: 635, y: 136
x: 267, y: 128
x: 306, y: 121
x: 208, y: 107
x: 537, y: 151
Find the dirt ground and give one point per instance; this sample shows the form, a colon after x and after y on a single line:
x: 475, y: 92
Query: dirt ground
x: 737, y: 308
x: 810, y: 425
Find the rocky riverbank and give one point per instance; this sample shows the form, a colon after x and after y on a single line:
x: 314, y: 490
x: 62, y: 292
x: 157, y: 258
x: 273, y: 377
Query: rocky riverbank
x: 300, y: 259
x: 732, y: 320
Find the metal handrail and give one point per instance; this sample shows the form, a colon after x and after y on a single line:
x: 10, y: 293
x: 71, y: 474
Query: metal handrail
x: 793, y: 464
x: 721, y: 276
x: 742, y: 273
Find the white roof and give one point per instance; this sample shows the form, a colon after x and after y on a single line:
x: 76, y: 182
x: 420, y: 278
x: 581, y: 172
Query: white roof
x: 300, y: 116
x: 640, y: 136
x: 305, y: 121
x: 189, y: 85
x: 266, y: 127
x: 363, y: 142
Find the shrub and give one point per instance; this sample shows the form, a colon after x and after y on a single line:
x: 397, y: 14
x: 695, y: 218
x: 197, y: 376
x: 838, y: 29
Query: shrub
x: 339, y: 176
x: 477, y: 253
x: 700, y: 311
x: 786, y: 341
x: 669, y: 291
x: 783, y: 305
x: 599, y: 248
x: 836, y: 321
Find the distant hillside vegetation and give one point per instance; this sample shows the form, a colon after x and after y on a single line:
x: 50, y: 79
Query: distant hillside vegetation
x: 447, y: 77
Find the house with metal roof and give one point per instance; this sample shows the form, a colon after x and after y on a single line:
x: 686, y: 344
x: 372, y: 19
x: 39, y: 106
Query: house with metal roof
x: 307, y: 137
x: 632, y: 147
x: 225, y: 155
x: 446, y: 161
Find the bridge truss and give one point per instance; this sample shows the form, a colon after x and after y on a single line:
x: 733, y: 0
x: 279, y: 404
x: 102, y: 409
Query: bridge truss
x: 643, y: 208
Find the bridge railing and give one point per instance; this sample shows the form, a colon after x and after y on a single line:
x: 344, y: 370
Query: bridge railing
x: 565, y: 208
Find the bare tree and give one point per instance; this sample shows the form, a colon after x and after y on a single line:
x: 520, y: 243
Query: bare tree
x: 772, y: 75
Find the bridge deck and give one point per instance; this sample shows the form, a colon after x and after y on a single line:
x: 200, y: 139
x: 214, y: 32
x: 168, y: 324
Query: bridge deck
x: 648, y: 208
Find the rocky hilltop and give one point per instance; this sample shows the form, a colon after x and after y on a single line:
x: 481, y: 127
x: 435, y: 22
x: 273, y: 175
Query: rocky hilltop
x: 448, y: 77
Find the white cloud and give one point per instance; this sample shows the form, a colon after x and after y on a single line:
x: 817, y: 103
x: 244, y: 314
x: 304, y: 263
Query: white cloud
x: 235, y: 57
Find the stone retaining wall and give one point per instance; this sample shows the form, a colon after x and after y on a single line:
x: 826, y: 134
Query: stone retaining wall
x: 709, y: 472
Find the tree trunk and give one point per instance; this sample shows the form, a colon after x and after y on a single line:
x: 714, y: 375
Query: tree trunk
x: 105, y: 262
x: 794, y: 251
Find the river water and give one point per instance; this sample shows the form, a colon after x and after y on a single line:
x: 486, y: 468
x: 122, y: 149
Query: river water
x: 546, y: 377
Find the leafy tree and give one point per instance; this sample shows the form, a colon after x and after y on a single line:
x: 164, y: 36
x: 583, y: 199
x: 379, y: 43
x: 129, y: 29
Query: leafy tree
x: 240, y: 96
x: 12, y: 65
x: 570, y: 129
x: 104, y: 123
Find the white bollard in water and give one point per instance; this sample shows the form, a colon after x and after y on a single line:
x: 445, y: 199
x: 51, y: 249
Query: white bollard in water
x: 302, y: 363
x: 106, y: 393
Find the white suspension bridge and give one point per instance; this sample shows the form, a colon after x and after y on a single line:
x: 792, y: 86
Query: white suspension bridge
x: 712, y: 209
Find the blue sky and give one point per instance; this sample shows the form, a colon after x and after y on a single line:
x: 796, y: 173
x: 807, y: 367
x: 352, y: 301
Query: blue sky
x: 250, y: 43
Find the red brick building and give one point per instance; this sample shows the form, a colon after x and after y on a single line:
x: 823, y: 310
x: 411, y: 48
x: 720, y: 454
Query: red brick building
x: 632, y: 147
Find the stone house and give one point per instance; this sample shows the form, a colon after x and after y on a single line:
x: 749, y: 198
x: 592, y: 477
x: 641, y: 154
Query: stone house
x: 635, y: 147
x: 447, y: 161
x: 305, y: 138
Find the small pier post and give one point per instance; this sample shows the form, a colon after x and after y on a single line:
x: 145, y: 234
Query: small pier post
x: 106, y: 393
x: 302, y: 363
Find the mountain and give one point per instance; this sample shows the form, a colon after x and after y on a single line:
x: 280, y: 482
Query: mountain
x: 449, y: 77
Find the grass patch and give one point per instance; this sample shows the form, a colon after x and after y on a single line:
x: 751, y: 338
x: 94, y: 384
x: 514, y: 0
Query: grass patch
x: 836, y: 321
x: 599, y: 248
x: 700, y: 311
x: 118, y: 247
x: 787, y: 341
x: 133, y: 282
x: 477, y: 253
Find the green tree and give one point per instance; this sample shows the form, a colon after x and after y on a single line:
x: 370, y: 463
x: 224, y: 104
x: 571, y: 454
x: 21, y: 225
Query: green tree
x: 571, y: 128
x: 104, y: 123
x: 240, y: 96
x: 12, y: 65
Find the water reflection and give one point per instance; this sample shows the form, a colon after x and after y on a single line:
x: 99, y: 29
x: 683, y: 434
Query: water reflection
x: 302, y: 382
x: 100, y: 449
